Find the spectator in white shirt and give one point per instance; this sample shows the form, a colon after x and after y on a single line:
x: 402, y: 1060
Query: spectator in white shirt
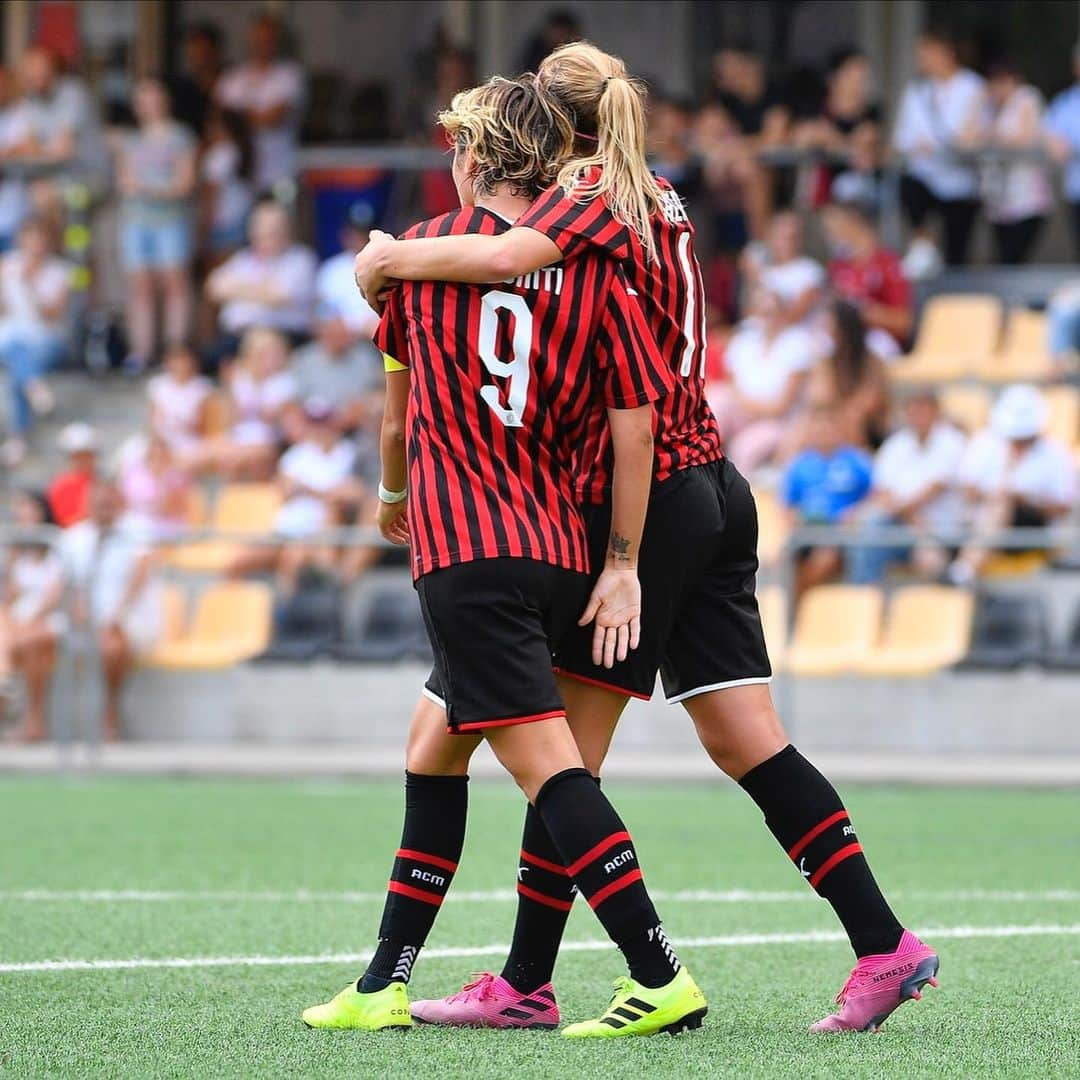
x: 768, y: 363
x: 1013, y: 476
x: 225, y: 195
x: 914, y: 485
x: 782, y: 266
x: 942, y: 111
x: 336, y: 293
x: 179, y: 400
x: 14, y: 204
x: 269, y: 90
x: 33, y: 329
x: 269, y: 284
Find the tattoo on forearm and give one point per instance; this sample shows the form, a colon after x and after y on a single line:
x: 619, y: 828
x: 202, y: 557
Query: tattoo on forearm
x: 619, y: 548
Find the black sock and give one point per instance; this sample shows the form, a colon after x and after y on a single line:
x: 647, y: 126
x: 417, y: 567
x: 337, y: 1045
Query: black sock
x: 597, y: 851
x: 431, y: 841
x: 545, y: 897
x: 804, y: 812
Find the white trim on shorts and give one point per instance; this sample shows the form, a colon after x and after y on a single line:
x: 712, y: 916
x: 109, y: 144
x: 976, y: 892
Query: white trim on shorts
x: 432, y: 696
x: 755, y: 680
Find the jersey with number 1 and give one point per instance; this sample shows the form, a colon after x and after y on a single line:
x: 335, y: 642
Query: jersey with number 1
x: 672, y: 296
x: 506, y: 382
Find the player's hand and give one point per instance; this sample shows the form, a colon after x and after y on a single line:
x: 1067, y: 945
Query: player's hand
x: 370, y: 280
x: 615, y: 605
x: 393, y: 522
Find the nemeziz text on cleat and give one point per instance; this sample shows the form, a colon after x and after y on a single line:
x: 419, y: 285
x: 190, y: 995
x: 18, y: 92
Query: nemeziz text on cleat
x: 880, y: 984
x: 489, y: 1001
x: 353, y: 1011
x: 639, y: 1010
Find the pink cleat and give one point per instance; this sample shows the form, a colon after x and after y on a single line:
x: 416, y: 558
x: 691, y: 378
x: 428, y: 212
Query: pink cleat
x: 880, y: 984
x: 491, y: 1002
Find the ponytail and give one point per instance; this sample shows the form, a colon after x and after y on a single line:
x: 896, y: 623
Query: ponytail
x: 609, y: 108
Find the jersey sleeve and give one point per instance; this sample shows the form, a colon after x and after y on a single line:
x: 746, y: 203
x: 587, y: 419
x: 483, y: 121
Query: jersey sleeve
x: 390, y: 336
x: 632, y: 370
x: 574, y: 225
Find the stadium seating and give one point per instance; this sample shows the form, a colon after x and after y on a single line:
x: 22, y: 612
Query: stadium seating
x: 1067, y: 657
x: 927, y: 628
x: 240, y: 508
x: 956, y: 334
x: 1064, y: 422
x: 173, y: 618
x: 772, y: 602
x: 306, y: 624
x: 772, y: 527
x: 231, y: 624
x: 1023, y: 355
x: 967, y: 406
x: 836, y: 629
x: 1009, y: 632
x: 390, y: 627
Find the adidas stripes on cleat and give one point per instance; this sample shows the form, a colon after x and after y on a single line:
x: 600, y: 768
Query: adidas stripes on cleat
x: 639, y: 1010
x: 491, y: 1002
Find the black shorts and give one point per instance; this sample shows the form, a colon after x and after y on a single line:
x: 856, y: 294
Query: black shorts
x: 700, y: 626
x: 493, y: 625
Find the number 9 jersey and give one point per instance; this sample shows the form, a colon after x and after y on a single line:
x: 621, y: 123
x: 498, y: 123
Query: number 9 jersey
x: 508, y: 389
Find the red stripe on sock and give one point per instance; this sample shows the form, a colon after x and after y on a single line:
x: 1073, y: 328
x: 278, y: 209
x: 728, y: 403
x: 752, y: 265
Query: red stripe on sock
x: 833, y: 860
x: 543, y: 864
x: 431, y: 860
x: 415, y: 894
x: 540, y: 898
x: 618, y: 885
x: 575, y: 868
x: 815, y: 832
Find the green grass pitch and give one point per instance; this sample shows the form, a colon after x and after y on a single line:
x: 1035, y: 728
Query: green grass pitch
x: 222, y: 860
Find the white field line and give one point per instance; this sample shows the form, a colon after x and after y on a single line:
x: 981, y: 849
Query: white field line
x: 727, y: 941
x: 686, y: 896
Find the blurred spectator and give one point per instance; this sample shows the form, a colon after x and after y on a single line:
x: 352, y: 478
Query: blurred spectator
x: 782, y: 266
x: 1063, y: 134
x: 821, y: 485
x: 862, y: 179
x: 560, y: 28
x: 31, y: 616
x: 454, y: 71
x: 156, y: 491
x: 69, y: 492
x: 116, y: 596
x: 201, y: 64
x: 768, y: 362
x: 869, y: 276
x: 270, y: 91
x: 179, y: 400
x: 914, y: 485
x: 1063, y: 324
x: 13, y: 199
x: 226, y: 171
x: 33, y: 329
x: 739, y: 85
x: 271, y: 283
x: 259, y: 391
x: 670, y: 146
x: 336, y: 294
x: 1013, y: 476
x: 1017, y: 195
x: 156, y: 178
x: 334, y: 368
x: 942, y: 110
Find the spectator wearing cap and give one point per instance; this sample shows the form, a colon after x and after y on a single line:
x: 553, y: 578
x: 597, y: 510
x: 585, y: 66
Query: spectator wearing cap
x: 33, y: 328
x: 1013, y: 476
x: 269, y: 284
x: 1062, y: 127
x: 69, y: 492
x: 336, y: 293
x: 269, y: 90
x: 869, y: 275
x: 913, y: 485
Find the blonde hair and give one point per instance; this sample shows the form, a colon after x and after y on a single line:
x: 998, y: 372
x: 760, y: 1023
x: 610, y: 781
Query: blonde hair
x: 515, y: 133
x: 608, y: 107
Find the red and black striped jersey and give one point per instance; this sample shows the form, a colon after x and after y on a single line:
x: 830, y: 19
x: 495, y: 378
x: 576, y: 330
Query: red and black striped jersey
x: 508, y: 386
x: 672, y: 296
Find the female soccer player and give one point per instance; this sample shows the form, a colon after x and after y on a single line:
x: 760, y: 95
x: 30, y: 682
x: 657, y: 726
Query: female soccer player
x: 698, y: 560
x: 502, y: 383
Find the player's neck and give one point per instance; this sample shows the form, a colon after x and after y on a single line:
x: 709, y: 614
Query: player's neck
x: 507, y: 206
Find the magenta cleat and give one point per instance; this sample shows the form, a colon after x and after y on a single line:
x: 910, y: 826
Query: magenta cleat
x: 491, y: 1002
x: 880, y: 984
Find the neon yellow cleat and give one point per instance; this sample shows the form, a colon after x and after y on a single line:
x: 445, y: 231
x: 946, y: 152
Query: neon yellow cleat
x: 637, y: 1010
x: 354, y: 1011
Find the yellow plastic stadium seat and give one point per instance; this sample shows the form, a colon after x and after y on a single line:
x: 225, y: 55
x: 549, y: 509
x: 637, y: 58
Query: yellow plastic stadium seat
x: 1014, y: 564
x: 772, y: 527
x: 173, y: 618
x: 1023, y: 355
x: 836, y: 629
x: 240, y: 508
x: 772, y: 603
x: 232, y: 624
x: 928, y: 627
x: 956, y: 333
x: 198, y: 508
x: 966, y: 406
x: 1064, y: 422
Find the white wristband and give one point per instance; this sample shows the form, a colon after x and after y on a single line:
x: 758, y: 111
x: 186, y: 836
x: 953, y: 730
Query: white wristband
x: 388, y: 496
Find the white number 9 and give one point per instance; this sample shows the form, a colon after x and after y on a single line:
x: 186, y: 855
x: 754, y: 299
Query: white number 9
x: 517, y: 371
